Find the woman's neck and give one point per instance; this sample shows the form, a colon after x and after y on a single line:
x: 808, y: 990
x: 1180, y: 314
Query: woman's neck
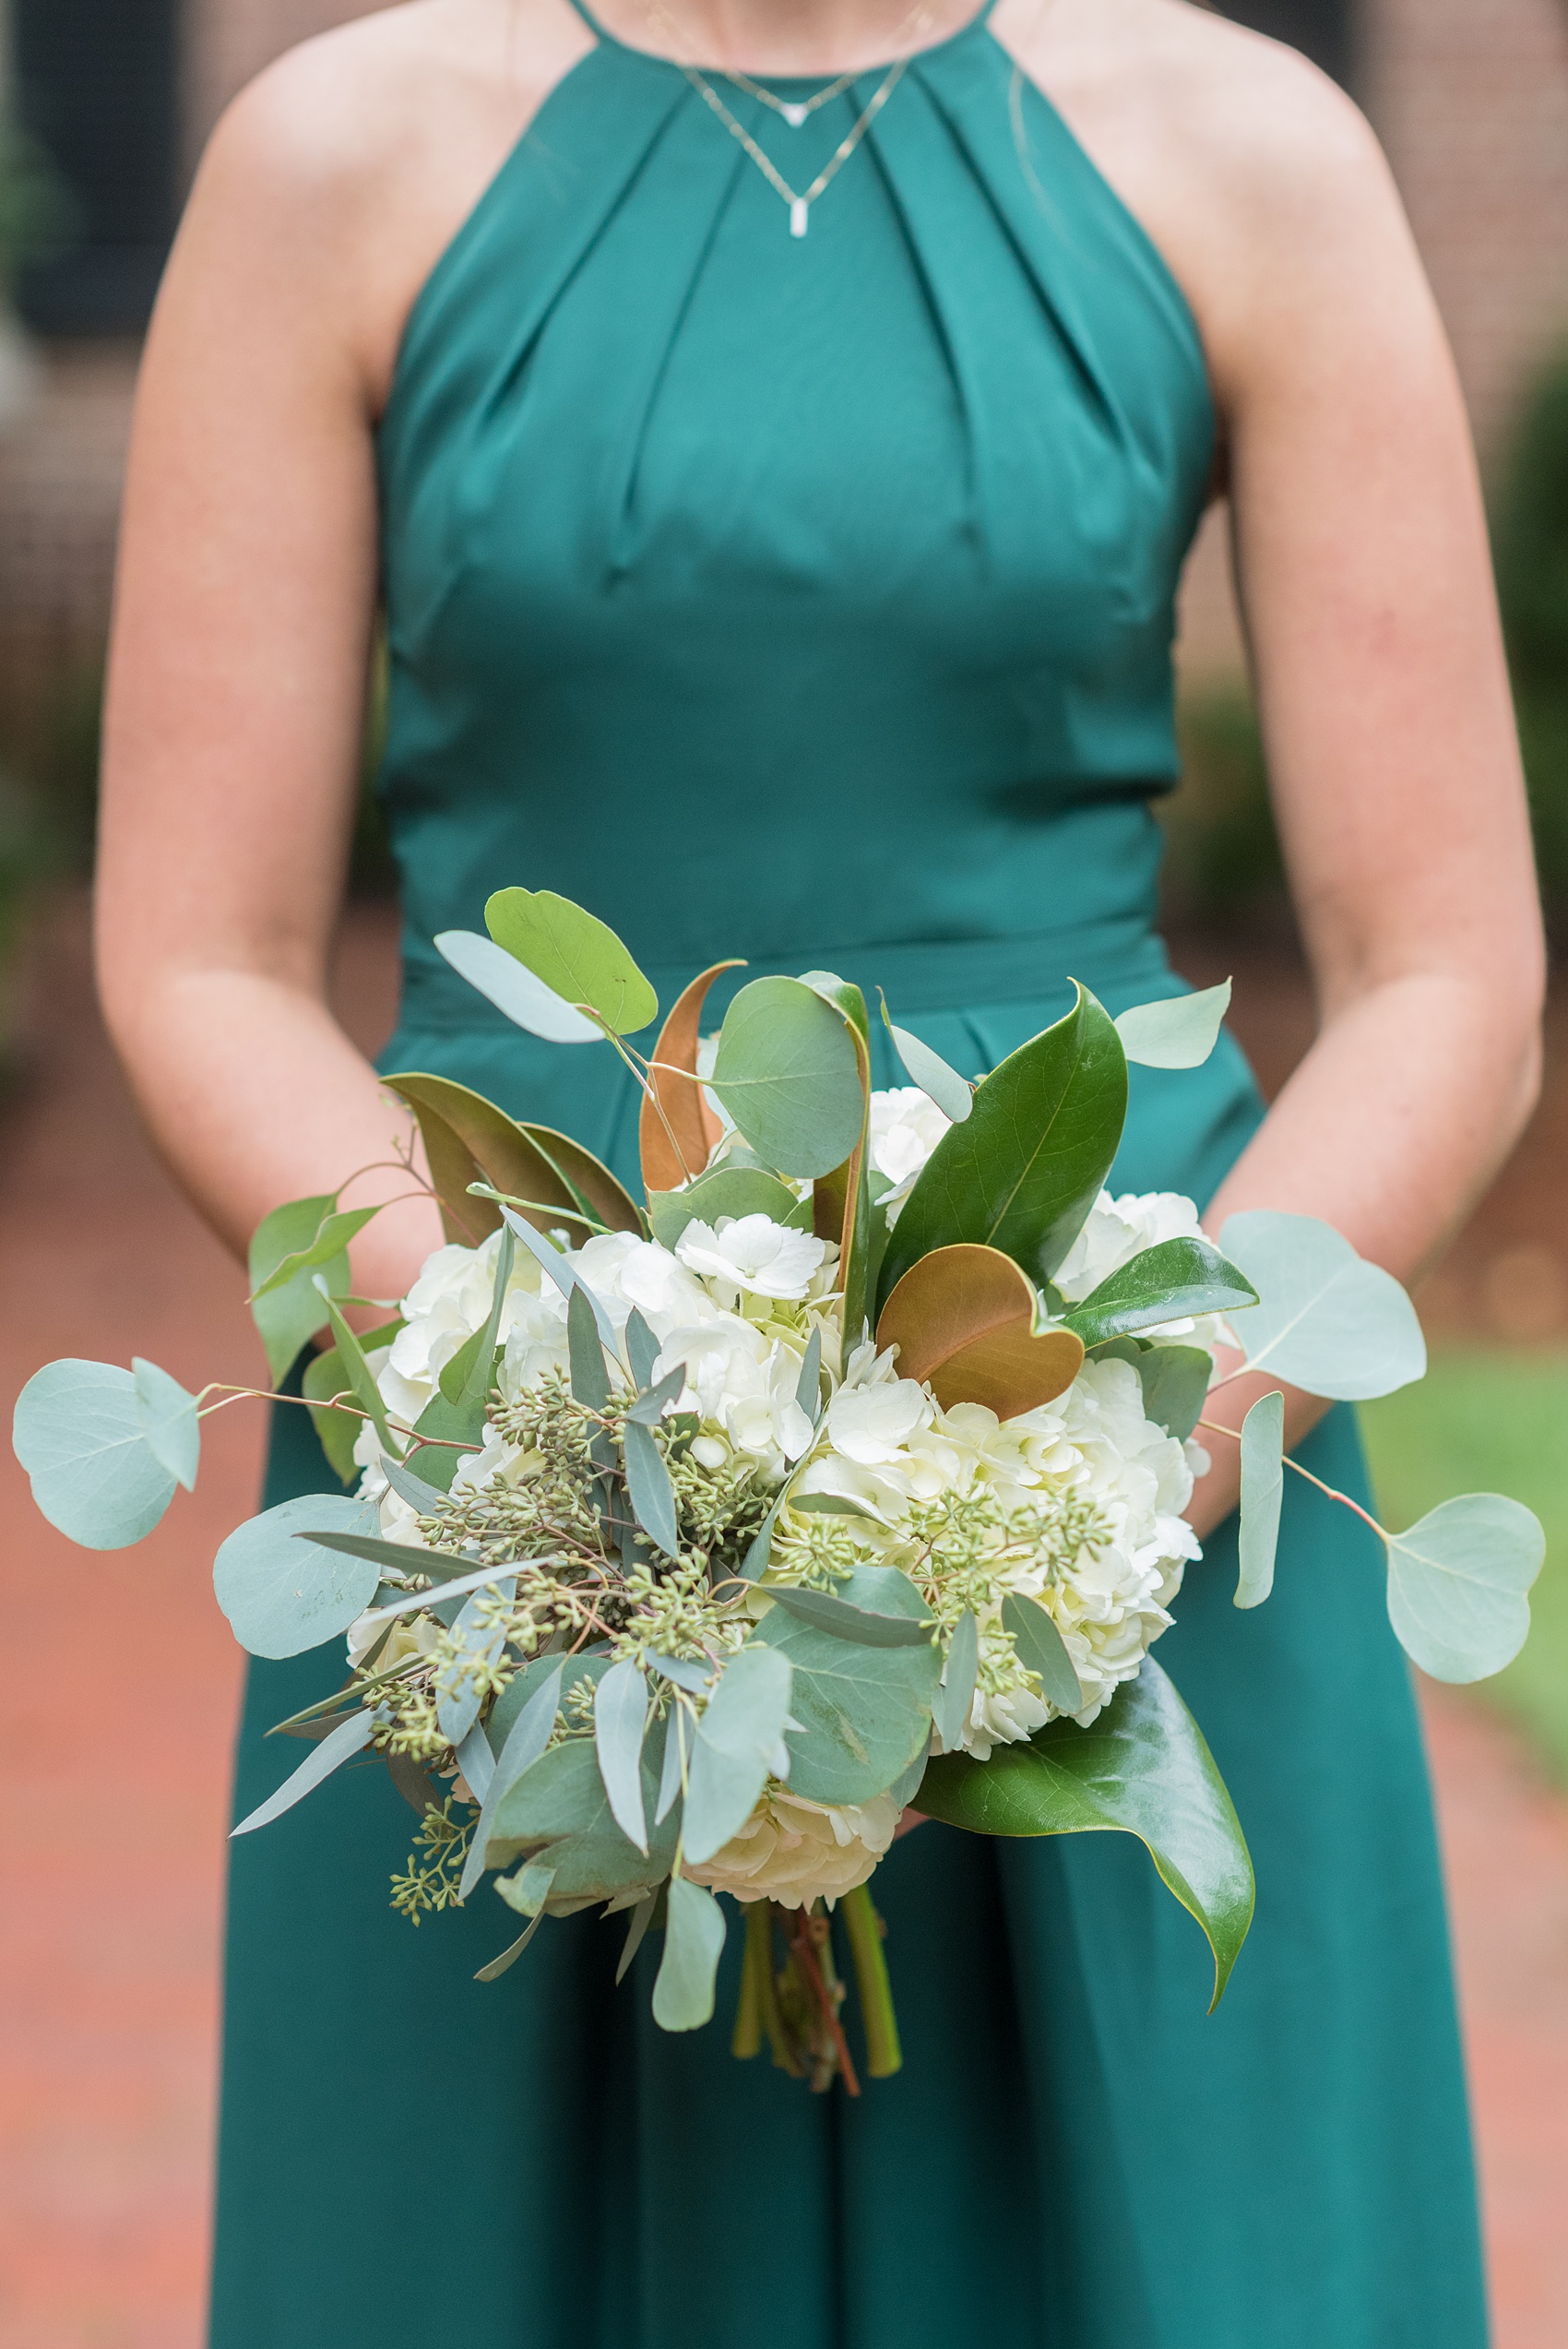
x: 784, y: 37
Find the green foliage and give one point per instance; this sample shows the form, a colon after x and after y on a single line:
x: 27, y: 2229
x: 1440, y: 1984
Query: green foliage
x: 736, y: 1744
x: 287, y: 1318
x: 788, y: 1073
x: 728, y: 1190
x: 953, y: 1094
x: 1328, y: 1321
x: 1175, y: 1383
x: 866, y: 1712
x: 577, y: 956
x: 429, y: 1884
x: 693, y: 1943
x: 1458, y: 1585
x: 1263, y: 1497
x: 1171, y: 1281
x: 1041, y: 1650
x: 350, y: 1737
x: 1180, y: 1032
x: 81, y: 1431
x: 1143, y: 1769
x: 620, y: 1724
x: 951, y: 1710
x: 282, y: 1595
x: 1025, y: 1169
x: 513, y: 989
x: 169, y: 1422
x: 559, y: 1809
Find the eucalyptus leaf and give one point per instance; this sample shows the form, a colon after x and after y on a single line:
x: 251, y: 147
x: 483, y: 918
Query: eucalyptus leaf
x: 529, y: 1890
x: 734, y: 1191
x: 79, y: 1432
x: 578, y: 958
x: 738, y: 1739
x: 513, y: 989
x: 468, y: 1380
x: 846, y: 1622
x: 866, y: 1712
x: 349, y: 1738
x: 649, y: 1488
x: 479, y: 1644
x: 169, y: 1422
x: 642, y: 1917
x: 1328, y: 1321
x: 953, y: 1094
x: 1174, y: 1281
x: 649, y: 1409
x: 338, y: 1429
x: 1458, y: 1585
x: 808, y: 1387
x: 686, y: 1672
x: 559, y: 1809
x: 642, y: 1349
x: 677, y: 1746
x: 620, y: 1724
x: 1143, y: 1768
x: 693, y: 1943
x: 509, y: 1958
x: 1180, y: 1032
x: 421, y: 1497
x: 1041, y: 1650
x: 1263, y: 1495
x: 590, y: 1377
x: 287, y: 1318
x: 1022, y: 1172
x: 957, y: 1694
x: 788, y: 1072
x: 359, y: 1375
x: 525, y: 1742
x: 282, y: 1596
x: 561, y: 1271
x: 402, y: 1557
x: 477, y: 1763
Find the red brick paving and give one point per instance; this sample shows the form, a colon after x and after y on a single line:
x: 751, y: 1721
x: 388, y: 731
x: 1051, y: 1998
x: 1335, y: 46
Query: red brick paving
x: 115, y: 1760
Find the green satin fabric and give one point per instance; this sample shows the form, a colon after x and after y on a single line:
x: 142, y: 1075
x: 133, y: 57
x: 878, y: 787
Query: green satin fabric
x: 812, y: 600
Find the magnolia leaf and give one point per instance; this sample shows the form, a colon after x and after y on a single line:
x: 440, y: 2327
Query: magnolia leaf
x: 468, y: 1140
x: 1041, y: 1650
x: 788, y: 1071
x: 846, y: 1622
x: 559, y: 1809
x: 1175, y: 1383
x: 78, y: 1430
x: 1263, y: 1493
x: 957, y: 1694
x: 1143, y: 1769
x: 525, y: 1742
x: 1328, y: 1321
x: 288, y: 1317
x: 1172, y: 1282
x: 349, y: 1738
x: 676, y: 1145
x: 1180, y: 1032
x: 513, y: 989
x: 282, y: 1595
x: 1458, y: 1585
x: 649, y: 1488
x: 589, y: 1181
x: 693, y: 1943
x: 169, y: 1422
x: 620, y: 1723
x: 964, y: 1321
x: 332, y: 1237
x: 1023, y: 1171
x: 728, y: 1190
x: 953, y: 1094
x: 577, y: 956
x: 737, y: 1743
x: 642, y: 1350
x: 866, y: 1712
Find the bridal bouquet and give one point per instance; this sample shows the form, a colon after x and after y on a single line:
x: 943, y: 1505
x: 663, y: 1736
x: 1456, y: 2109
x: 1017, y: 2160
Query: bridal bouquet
x: 691, y: 1542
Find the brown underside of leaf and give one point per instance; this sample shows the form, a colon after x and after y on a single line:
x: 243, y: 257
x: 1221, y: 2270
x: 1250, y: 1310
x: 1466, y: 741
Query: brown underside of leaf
x: 963, y: 1320
x: 468, y: 1140
x: 691, y: 1120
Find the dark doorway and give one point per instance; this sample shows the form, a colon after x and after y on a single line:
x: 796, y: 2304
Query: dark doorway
x: 95, y: 84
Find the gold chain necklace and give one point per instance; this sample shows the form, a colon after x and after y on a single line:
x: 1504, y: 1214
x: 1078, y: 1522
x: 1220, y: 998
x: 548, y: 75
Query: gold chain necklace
x: 795, y: 112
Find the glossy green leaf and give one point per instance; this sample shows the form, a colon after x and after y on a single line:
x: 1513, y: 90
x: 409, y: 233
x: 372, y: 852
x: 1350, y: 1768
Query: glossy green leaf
x: 866, y: 1712
x: 575, y: 955
x: 513, y: 989
x: 339, y: 1745
x: 846, y: 1622
x: 469, y: 1379
x: 1177, y: 1034
x: 282, y: 1595
x: 526, y: 1740
x: 1041, y: 1650
x: 559, y: 1809
x: 620, y: 1724
x: 169, y: 1422
x: 957, y: 1694
x: 332, y: 1236
x: 1175, y: 1383
x: 649, y: 1488
x: 359, y: 1375
x: 1025, y: 1169
x: 788, y: 1073
x: 1328, y: 1321
x: 288, y: 1317
x: 79, y: 1431
x: 1458, y: 1585
x: 738, y: 1739
x: 693, y: 1943
x: 1143, y: 1768
x: 1173, y: 1281
x: 953, y: 1094
x: 729, y: 1190
x: 1263, y: 1495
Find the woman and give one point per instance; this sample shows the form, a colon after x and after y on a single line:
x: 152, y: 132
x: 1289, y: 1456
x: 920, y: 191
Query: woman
x: 778, y: 536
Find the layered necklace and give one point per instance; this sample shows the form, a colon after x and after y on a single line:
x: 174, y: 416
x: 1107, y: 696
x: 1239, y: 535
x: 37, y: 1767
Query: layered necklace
x: 795, y: 111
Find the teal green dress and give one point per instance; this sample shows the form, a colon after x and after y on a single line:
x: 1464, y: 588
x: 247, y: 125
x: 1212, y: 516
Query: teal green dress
x: 812, y: 600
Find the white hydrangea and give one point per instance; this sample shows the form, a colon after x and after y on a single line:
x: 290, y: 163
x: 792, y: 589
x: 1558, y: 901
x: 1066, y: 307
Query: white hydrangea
x: 795, y: 1851
x: 1119, y: 1229
x: 906, y: 1125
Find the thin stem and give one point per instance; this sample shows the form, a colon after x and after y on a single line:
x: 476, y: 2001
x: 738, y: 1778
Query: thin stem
x: 1211, y: 1427
x: 864, y: 1927
x: 805, y: 1950
x: 651, y: 1090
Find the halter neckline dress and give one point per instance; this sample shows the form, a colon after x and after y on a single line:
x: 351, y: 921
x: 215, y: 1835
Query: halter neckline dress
x: 810, y: 599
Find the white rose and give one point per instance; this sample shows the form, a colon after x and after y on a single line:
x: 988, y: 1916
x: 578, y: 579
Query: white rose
x: 752, y: 1253
x: 795, y: 1851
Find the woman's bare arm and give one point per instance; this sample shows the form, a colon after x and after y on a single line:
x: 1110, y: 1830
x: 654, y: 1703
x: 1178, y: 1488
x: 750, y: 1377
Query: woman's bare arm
x: 1363, y: 567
